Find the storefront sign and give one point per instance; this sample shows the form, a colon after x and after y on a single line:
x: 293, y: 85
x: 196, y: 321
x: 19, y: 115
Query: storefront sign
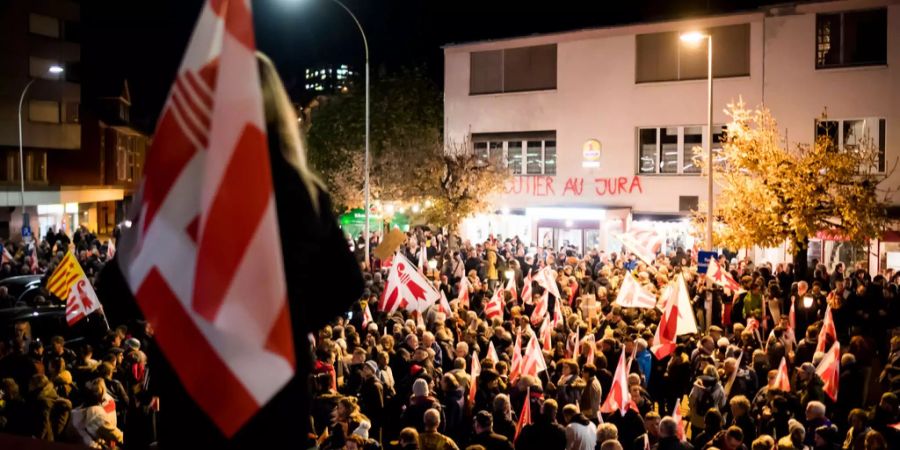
x: 590, y: 154
x: 544, y: 186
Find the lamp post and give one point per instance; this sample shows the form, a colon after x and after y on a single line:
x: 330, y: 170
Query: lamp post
x: 696, y: 37
x: 366, y: 165
x: 55, y: 70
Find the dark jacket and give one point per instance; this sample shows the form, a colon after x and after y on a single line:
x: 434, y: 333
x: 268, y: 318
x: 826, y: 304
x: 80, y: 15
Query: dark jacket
x: 672, y: 443
x: 491, y: 441
x: 542, y: 435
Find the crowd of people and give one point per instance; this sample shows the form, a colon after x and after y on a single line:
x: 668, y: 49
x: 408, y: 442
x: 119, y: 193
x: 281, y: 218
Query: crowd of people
x: 403, y: 380
x: 89, y: 389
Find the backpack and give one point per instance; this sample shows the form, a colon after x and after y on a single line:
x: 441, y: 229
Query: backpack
x: 705, y: 402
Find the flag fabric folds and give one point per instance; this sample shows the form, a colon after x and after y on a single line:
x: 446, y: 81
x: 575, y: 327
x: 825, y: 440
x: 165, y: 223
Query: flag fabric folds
x: 494, y: 307
x: 209, y: 181
x: 619, y: 398
x: 545, y: 278
x: 827, y: 330
x: 667, y: 331
x: 782, y: 380
x: 407, y: 288
x: 527, y: 289
x: 463, y: 296
x: 645, y: 244
x: 633, y: 295
x: 474, y: 372
x: 829, y: 369
x: 69, y: 282
x: 524, y: 416
x: 721, y: 277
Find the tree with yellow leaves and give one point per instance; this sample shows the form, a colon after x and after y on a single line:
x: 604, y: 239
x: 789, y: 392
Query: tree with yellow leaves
x: 770, y: 193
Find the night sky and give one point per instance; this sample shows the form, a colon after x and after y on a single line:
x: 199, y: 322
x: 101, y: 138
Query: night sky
x: 143, y: 40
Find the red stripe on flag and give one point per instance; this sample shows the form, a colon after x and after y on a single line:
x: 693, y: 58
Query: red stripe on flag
x: 195, y: 364
x: 170, y: 153
x: 178, y: 102
x: 200, y: 114
x: 200, y: 87
x: 239, y: 23
x: 247, y: 182
x: 281, y: 338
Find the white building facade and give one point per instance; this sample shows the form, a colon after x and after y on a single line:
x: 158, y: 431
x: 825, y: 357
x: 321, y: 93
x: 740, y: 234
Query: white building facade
x: 597, y: 126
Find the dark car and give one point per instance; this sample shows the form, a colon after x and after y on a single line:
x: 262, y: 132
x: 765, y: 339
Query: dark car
x: 46, y: 320
x: 24, y: 288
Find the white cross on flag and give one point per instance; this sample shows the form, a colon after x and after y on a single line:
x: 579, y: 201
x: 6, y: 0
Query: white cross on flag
x: 407, y: 288
x: 633, y: 295
x: 203, y: 256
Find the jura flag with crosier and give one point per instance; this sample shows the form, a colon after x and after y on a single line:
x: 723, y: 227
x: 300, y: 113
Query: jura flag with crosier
x: 407, y: 288
x: 68, y: 281
x: 204, y: 254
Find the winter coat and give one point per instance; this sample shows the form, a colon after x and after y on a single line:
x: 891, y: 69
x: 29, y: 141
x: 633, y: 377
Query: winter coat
x: 705, y: 391
x: 542, y: 435
x: 47, y: 412
x: 581, y: 434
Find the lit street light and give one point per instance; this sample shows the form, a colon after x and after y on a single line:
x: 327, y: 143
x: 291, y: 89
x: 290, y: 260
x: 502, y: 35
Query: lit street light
x: 366, y: 176
x: 55, y: 70
x: 695, y: 37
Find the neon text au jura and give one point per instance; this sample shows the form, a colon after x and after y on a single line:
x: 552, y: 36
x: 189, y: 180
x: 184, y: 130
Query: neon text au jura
x: 544, y: 186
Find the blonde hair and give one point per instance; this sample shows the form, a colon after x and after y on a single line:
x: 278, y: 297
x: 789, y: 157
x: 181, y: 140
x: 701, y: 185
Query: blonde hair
x: 281, y: 116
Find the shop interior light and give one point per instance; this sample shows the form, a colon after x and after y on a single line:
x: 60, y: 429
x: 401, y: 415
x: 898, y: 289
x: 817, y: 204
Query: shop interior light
x: 566, y: 213
x: 569, y: 223
x: 504, y: 210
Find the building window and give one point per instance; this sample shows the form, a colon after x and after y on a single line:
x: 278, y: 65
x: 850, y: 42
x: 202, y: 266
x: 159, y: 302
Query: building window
x: 72, y: 31
x: 43, y: 111
x: 530, y: 153
x: 853, y: 38
x: 670, y: 150
x: 693, y: 137
x: 663, y: 57
x: 43, y: 25
x: 40, y: 68
x: 36, y: 167
x: 687, y: 203
x: 123, y: 144
x: 851, y: 134
x: 72, y: 112
x: 513, y: 70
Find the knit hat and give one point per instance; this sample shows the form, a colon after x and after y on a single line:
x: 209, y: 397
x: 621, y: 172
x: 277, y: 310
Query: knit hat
x: 420, y: 388
x: 133, y: 344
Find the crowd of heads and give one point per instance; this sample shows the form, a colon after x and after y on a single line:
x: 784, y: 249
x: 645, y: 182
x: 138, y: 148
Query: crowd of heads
x: 404, y: 377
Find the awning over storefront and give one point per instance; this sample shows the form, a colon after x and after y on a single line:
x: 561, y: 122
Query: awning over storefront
x: 61, y: 195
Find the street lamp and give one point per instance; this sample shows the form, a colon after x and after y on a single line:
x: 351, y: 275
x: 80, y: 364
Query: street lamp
x: 55, y: 70
x: 696, y: 37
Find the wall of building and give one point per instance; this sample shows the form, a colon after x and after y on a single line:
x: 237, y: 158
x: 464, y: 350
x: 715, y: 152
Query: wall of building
x: 597, y: 98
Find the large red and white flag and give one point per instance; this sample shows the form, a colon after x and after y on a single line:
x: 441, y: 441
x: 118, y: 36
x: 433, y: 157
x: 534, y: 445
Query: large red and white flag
x: 406, y: 288
x: 546, y: 336
x: 494, y: 307
x: 524, y: 416
x: 367, y: 316
x: 619, y: 398
x: 540, y: 309
x: 82, y: 299
x: 546, y: 279
x: 721, y: 277
x: 203, y: 256
x: 511, y: 288
x: 645, y: 244
x: 474, y: 372
x: 492, y: 352
x: 828, y: 330
x: 463, y: 296
x: 444, y: 305
x: 677, y: 291
x: 533, y: 363
x: 633, y: 295
x: 782, y: 380
x: 667, y: 331
x: 515, y: 366
x: 527, y: 289
x: 829, y: 369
